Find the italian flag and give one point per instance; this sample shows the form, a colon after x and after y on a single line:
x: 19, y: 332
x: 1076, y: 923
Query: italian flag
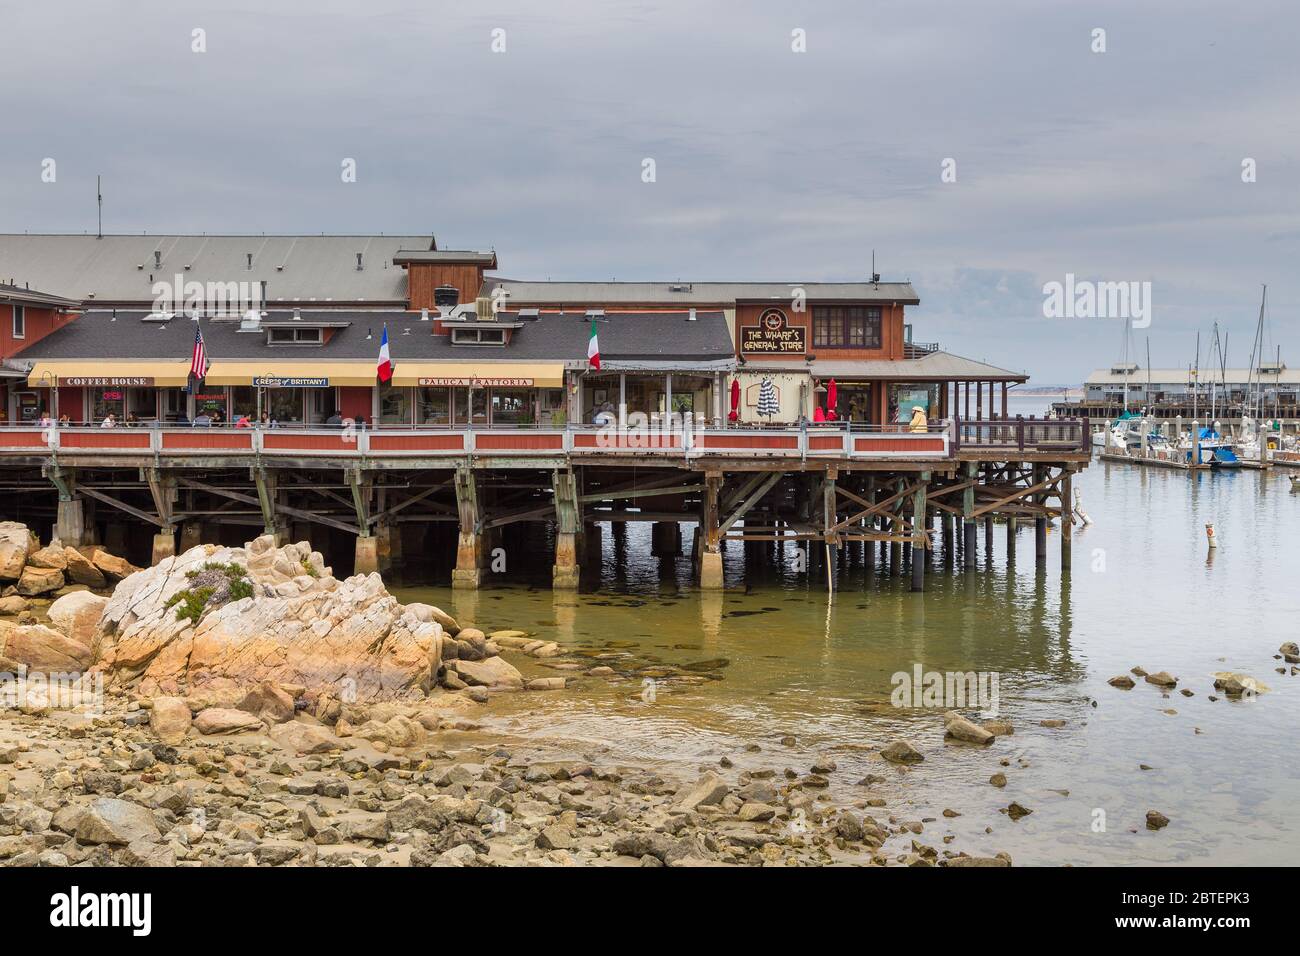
x: 385, y: 367
x: 593, y: 348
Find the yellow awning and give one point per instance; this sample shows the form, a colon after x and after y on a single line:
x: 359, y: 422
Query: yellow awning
x: 502, y: 374
x: 337, y: 373
x: 108, y: 372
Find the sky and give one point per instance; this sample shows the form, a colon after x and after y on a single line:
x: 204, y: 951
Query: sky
x: 980, y: 150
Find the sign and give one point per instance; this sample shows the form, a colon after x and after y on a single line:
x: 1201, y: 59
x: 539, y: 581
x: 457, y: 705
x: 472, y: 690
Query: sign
x: 274, y: 381
x: 477, y: 382
x: 772, y: 336
x: 76, y: 381
x: 217, y: 397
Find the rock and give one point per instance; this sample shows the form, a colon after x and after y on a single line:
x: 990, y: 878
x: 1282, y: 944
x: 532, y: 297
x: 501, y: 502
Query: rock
x: 1235, y: 684
x: 111, y: 566
x: 492, y: 672
x: 755, y: 812
x: 1156, y: 820
x: 120, y: 822
x: 35, y: 581
x: 545, y: 683
x: 999, y: 728
x: 77, y: 615
x: 81, y: 571
x: 1015, y: 811
x: 146, y: 852
x: 1290, y: 652
x: 169, y: 719
x: 976, y: 861
x: 14, y: 604
x: 998, y: 779
x: 43, y: 649
x: 1051, y: 722
x: 50, y: 556
x: 1123, y: 682
x: 15, y: 545
x: 555, y: 838
x: 1162, y: 679
x: 225, y: 720
x: 959, y: 728
x: 304, y: 738
x: 900, y: 751
x: 705, y: 792
x: 348, y: 638
x: 427, y: 612
x: 268, y: 703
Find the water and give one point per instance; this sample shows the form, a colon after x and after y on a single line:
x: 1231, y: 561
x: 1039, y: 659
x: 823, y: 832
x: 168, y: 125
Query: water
x: 1144, y: 591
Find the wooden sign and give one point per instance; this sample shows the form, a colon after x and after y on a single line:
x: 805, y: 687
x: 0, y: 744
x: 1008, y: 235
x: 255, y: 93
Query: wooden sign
x: 772, y: 336
x: 75, y: 381
x: 477, y: 382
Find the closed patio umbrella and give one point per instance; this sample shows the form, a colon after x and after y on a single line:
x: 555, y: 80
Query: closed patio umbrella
x: 735, y: 400
x: 832, y: 401
x: 768, y: 406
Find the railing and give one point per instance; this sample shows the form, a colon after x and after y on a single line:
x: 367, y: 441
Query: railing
x: 1023, y: 434
x: 838, y: 440
x: 915, y: 350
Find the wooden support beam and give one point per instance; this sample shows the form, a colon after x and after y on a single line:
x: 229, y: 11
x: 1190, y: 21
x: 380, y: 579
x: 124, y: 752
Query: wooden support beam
x: 122, y: 506
x: 283, y: 509
x: 163, y: 489
x: 921, y: 544
x: 769, y: 479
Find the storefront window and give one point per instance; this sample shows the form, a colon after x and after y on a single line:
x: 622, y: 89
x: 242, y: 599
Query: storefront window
x: 211, y: 403
x: 243, y: 403
x: 851, y: 327
x: 904, y: 397
x: 433, y: 406
x: 394, y: 405
x: 283, y: 405
x: 106, y: 401
x: 471, y: 405
x: 554, y: 411
x: 141, y: 404
x: 513, y: 406
x: 173, y: 404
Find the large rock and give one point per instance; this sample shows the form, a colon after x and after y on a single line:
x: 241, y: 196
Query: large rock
x: 268, y: 703
x: 111, y: 565
x: 35, y: 580
x: 708, y: 791
x: 14, y: 604
x: 350, y: 638
x: 116, y: 822
x: 79, y: 570
x: 492, y: 672
x: 427, y: 612
x: 170, y: 719
x: 959, y: 728
x: 15, y: 545
x: 216, y: 721
x: 901, y: 751
x: 304, y: 738
x: 77, y: 615
x: 50, y: 556
x: 43, y: 649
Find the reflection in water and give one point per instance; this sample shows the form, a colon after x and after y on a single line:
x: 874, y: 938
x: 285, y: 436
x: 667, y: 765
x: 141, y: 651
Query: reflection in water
x: 1143, y: 591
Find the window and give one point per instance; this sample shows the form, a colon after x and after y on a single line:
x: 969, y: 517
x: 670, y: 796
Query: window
x: 394, y: 404
x: 293, y: 337
x: 433, y: 406
x: 846, y: 327
x: 20, y: 322
x: 477, y: 336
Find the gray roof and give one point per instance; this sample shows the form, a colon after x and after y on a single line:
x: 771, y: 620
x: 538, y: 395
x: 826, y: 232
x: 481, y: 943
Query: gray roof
x: 122, y: 269
x: 934, y: 366
x: 657, y: 336
x: 486, y: 259
x: 693, y: 293
x: 13, y: 295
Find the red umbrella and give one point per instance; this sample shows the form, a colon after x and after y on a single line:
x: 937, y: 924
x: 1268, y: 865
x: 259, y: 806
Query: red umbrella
x: 735, y: 400
x: 832, y: 400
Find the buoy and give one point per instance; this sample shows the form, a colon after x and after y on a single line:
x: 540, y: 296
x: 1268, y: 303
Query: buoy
x: 1209, y: 535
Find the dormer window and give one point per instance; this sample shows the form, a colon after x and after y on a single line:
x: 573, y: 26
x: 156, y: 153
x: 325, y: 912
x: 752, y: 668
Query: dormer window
x: 476, y: 335
x: 306, y: 336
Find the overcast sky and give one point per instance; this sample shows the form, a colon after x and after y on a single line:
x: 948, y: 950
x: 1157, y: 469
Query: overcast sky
x: 769, y: 163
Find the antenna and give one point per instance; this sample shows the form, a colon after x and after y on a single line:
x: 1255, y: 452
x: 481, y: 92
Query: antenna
x: 99, y: 197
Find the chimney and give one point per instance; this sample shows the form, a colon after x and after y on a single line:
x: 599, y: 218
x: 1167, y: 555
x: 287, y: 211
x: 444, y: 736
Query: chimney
x: 249, y: 267
x: 358, y: 262
x: 297, y: 314
x: 691, y: 315
x: 424, y: 315
x: 157, y: 258
x: 264, y: 298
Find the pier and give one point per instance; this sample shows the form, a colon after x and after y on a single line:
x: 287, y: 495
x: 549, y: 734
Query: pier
x: 394, y: 489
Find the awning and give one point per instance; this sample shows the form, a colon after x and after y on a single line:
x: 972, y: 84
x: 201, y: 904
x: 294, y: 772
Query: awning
x: 499, y: 374
x: 108, y: 373
x: 332, y: 373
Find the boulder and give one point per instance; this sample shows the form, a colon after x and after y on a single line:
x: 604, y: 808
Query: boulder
x: 80, y: 571
x: 1123, y: 682
x: 349, y: 638
x: 492, y: 672
x: 268, y: 703
x: 170, y: 719
x: 50, y: 556
x: 77, y: 615
x: 900, y: 751
x: 708, y: 791
x: 1162, y: 679
x: 117, y: 822
x: 304, y: 738
x: 35, y: 580
x: 1290, y: 651
x: 224, y: 720
x: 427, y: 612
x: 15, y: 545
x: 959, y: 728
x: 43, y: 649
x: 14, y: 604
x: 111, y: 566
x: 1235, y: 684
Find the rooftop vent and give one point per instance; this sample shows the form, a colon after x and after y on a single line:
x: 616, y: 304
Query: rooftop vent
x: 690, y: 317
x: 157, y: 317
x: 249, y: 267
x: 595, y: 313
x: 529, y: 315
x: 359, y: 267
x: 251, y: 322
x: 157, y: 258
x: 680, y: 287
x: 446, y: 295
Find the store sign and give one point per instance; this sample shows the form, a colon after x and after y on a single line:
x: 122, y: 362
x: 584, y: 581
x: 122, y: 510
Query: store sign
x: 772, y: 336
x: 477, y: 382
x: 76, y: 381
x: 218, y: 397
x: 273, y: 381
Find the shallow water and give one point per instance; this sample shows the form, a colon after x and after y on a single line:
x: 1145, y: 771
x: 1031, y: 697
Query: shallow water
x: 1144, y: 591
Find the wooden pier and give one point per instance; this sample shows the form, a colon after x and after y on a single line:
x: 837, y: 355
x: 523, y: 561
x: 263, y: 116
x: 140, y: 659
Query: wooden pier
x: 828, y: 486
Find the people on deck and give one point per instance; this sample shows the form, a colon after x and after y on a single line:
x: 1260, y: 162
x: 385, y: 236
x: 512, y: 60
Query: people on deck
x: 110, y: 421
x: 919, y: 422
x: 336, y: 419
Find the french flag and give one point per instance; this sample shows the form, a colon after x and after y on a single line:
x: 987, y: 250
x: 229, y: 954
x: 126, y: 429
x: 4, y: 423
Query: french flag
x: 385, y: 367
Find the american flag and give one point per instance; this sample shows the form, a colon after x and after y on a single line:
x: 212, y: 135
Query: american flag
x: 199, y: 360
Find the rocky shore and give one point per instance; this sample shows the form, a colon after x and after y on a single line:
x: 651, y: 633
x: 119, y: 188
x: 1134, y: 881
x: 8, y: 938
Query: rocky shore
x: 241, y: 706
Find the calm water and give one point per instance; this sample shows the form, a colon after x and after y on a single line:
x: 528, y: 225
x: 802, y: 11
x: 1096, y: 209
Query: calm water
x: 1144, y: 591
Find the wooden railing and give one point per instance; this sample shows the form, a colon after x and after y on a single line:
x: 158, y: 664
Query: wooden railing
x: 1022, y: 434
